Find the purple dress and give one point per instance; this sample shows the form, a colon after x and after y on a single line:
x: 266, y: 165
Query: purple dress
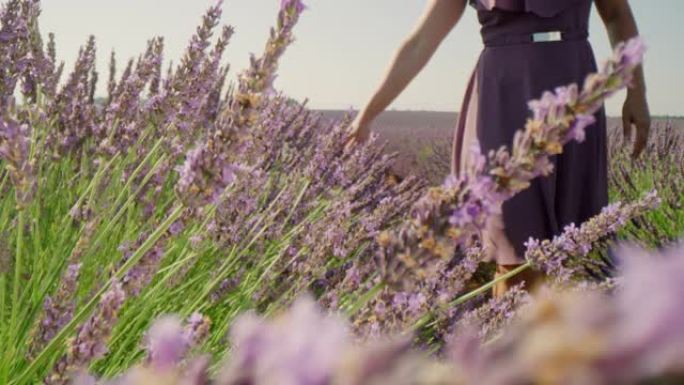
x: 512, y: 70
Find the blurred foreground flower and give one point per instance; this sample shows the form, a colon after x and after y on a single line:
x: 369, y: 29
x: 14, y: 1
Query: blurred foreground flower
x: 584, y: 337
x: 563, y: 337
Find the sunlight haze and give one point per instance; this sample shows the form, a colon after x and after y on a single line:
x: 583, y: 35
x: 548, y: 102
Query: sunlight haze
x: 343, y: 47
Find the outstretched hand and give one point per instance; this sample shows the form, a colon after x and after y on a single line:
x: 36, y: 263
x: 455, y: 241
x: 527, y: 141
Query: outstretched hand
x: 358, y: 133
x: 636, y: 117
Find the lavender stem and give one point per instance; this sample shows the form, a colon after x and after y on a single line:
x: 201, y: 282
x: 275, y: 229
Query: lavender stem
x: 468, y: 296
x: 90, y: 306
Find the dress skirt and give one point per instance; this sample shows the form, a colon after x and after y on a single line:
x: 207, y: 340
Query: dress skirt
x: 512, y: 70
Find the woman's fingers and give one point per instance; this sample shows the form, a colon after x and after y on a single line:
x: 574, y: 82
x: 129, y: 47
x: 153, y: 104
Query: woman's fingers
x: 636, y: 116
x: 642, y: 130
x: 353, y: 140
x: 350, y: 143
x: 357, y: 134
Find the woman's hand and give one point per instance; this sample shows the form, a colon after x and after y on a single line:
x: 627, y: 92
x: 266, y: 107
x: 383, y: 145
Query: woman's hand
x: 635, y: 114
x: 359, y: 132
x: 620, y: 24
x: 439, y: 17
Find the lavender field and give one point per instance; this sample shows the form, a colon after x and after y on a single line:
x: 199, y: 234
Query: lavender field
x: 423, y: 139
x: 197, y: 226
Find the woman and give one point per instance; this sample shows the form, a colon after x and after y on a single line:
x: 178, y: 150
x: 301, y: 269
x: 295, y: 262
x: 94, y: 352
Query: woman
x: 530, y: 46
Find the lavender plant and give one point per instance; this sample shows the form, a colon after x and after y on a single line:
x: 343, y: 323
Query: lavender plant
x: 587, y: 337
x: 98, y: 200
x: 180, y: 195
x: 660, y: 167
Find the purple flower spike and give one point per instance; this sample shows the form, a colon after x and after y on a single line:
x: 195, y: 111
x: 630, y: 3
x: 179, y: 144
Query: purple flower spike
x: 562, y: 257
x: 631, y: 53
x: 196, y: 329
x: 650, y: 337
x: 15, y: 140
x: 297, y: 5
x: 58, y: 310
x: 167, y: 345
x: 286, y: 351
x: 91, y: 339
x: 576, y: 131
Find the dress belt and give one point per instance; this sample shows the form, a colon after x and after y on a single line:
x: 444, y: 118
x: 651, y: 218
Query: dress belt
x: 537, y: 37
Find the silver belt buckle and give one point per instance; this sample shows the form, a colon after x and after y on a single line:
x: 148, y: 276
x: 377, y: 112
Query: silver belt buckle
x: 540, y: 37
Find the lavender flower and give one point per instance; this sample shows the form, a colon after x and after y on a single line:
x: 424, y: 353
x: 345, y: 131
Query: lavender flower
x: 111, y: 84
x: 578, y: 337
x: 286, y: 351
x: 90, y: 342
x: 83, y: 378
x: 630, y: 53
x: 58, y: 310
x: 648, y: 340
x: 71, y: 106
x: 239, y: 114
x: 122, y: 122
x: 585, y: 337
x: 15, y: 140
x: 562, y: 257
x: 167, y: 345
x: 494, y: 316
x: 205, y: 175
x: 296, y: 5
x: 140, y: 275
x: 181, y: 101
x: 15, y: 50
x: 196, y: 329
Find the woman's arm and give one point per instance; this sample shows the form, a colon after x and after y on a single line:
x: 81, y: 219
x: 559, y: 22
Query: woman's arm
x: 621, y: 26
x: 439, y: 17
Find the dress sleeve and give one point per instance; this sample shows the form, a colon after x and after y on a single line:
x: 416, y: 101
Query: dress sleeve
x: 543, y: 8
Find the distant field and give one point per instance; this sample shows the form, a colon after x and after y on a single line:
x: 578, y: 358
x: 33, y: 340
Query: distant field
x: 423, y: 138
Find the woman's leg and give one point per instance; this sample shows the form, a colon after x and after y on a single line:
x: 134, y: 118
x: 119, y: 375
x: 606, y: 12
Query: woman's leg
x: 496, y: 244
x: 500, y: 249
x: 531, y: 280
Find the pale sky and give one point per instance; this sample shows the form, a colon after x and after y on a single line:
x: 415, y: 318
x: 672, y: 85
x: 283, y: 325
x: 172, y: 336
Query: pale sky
x: 344, y: 46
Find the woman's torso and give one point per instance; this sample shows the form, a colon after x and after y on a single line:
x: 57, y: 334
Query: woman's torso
x: 513, y: 69
x: 524, y: 17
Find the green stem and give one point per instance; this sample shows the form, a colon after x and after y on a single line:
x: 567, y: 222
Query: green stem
x: 365, y: 298
x: 487, y: 286
x: 3, y: 180
x: 426, y: 318
x: 225, y: 267
x: 18, y: 264
x: 3, y: 283
x: 137, y: 171
x: 15, y: 306
x: 229, y: 262
x: 91, y: 187
x: 57, y: 341
x: 296, y: 203
x: 122, y: 210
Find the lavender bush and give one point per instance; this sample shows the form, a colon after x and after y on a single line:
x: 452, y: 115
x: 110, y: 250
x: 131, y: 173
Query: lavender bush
x: 661, y: 167
x: 581, y: 337
x: 174, y: 187
x: 184, y: 193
